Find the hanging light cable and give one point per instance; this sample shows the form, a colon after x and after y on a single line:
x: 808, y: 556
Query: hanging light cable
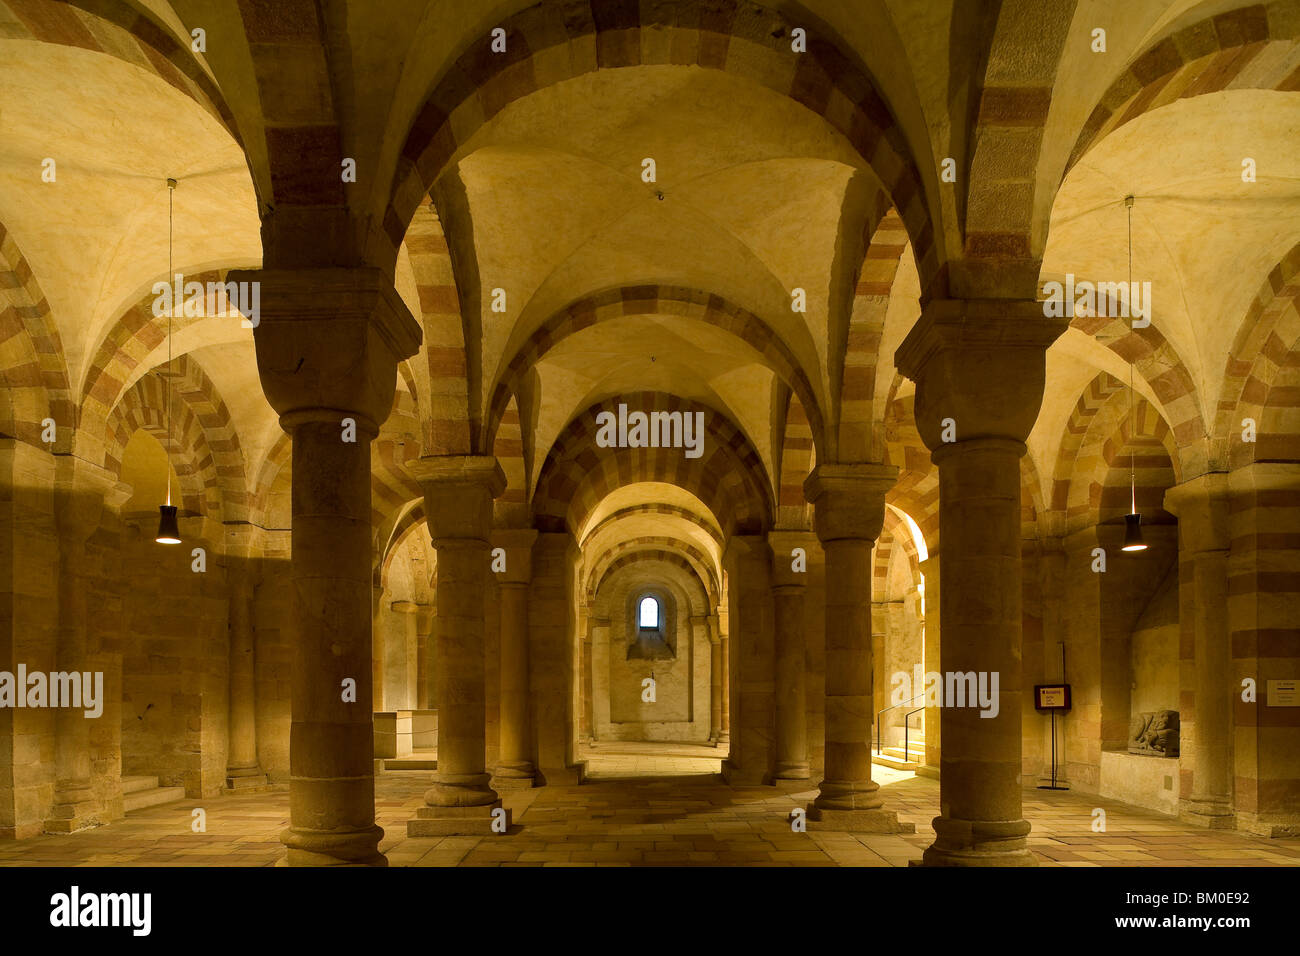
x: 1132, y: 521
x: 168, y: 529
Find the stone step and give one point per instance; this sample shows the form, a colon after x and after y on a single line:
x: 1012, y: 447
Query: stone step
x: 139, y: 799
x: 132, y: 784
x: 884, y: 760
x: 411, y: 763
x: 913, y: 753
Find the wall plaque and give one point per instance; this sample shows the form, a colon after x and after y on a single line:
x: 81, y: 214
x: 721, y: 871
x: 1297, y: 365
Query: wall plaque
x: 1052, y: 696
x: 1284, y: 693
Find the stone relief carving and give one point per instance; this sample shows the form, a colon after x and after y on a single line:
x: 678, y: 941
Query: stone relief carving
x: 1154, y: 733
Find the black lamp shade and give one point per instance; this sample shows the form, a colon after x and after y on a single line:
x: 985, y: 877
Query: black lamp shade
x: 168, y: 531
x: 1133, y: 533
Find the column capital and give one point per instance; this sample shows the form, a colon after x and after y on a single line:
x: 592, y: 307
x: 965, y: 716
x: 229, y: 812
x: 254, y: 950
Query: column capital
x: 783, y: 544
x: 518, y: 544
x: 458, y: 494
x: 980, y: 363
x: 1201, y: 506
x: 849, y: 500
x: 329, y: 339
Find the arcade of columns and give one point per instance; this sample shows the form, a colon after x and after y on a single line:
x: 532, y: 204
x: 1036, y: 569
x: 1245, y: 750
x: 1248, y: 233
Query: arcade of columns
x: 337, y: 335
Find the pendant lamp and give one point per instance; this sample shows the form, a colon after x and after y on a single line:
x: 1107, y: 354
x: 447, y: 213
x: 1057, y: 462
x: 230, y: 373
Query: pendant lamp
x: 169, y: 531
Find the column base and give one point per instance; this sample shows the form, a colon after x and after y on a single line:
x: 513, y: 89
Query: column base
x: 333, y: 848
x: 792, y: 770
x: 1210, y: 814
x: 246, y: 778
x: 74, y: 809
x: 979, y: 843
x: 455, y: 821
x: 514, y: 776
x: 857, y: 821
x: 734, y: 776
x: 85, y: 821
x: 461, y: 790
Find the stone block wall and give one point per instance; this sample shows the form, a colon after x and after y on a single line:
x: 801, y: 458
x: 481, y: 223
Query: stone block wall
x: 175, y: 664
x: 273, y: 668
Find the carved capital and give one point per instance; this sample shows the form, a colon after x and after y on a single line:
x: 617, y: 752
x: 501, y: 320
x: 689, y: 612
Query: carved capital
x: 330, y: 339
x: 849, y: 500
x: 458, y: 494
x: 980, y: 363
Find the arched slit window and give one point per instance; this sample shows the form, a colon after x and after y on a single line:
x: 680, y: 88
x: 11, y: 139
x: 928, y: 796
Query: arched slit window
x: 648, y: 614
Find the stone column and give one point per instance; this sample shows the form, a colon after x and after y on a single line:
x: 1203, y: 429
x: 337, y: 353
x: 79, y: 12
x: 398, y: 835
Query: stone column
x: 423, y: 658
x: 717, y: 678
x: 80, y: 492
x: 930, y: 664
x: 849, y: 502
x: 378, y: 645
x: 1201, y: 506
x: 243, y: 771
x: 328, y: 344
x: 402, y: 660
x: 791, y: 694
x: 979, y: 368
x: 1263, y: 594
x: 724, y: 642
x: 514, y: 769
x: 587, y: 718
x: 753, y: 746
x: 458, y: 495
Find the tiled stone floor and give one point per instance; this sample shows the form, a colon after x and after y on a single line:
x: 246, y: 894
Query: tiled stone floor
x: 679, y: 820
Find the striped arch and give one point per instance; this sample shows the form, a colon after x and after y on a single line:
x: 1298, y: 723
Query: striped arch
x: 121, y: 30
x: 1249, y: 48
x: 797, y: 452
x: 656, y: 300
x: 143, y: 406
x: 452, y: 418
x: 659, y: 509
x: 1003, y: 218
x: 729, y: 477
x: 511, y: 507
x: 896, y: 534
x: 1279, y: 421
x: 1157, y: 361
x: 1112, y: 432
x: 278, y: 457
x: 128, y: 343
x: 917, y: 488
x: 700, y: 563
x: 1094, y: 396
x: 859, y: 435
x: 1267, y: 336
x: 553, y: 41
x: 32, y: 367
x: 200, y: 414
x: 651, y: 556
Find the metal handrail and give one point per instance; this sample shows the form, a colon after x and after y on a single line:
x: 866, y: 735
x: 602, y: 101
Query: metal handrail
x: 907, y: 730
x: 887, y: 710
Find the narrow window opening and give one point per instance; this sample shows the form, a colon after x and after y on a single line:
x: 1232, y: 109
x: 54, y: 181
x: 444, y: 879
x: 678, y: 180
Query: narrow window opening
x: 648, y: 614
